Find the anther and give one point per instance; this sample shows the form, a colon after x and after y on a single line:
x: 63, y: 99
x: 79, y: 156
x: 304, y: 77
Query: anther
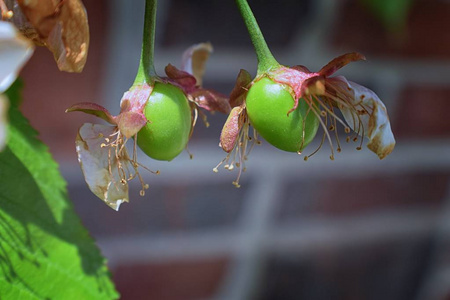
x: 305, y: 158
x: 347, y: 130
x: 355, y: 139
x: 323, y: 113
x: 238, y: 164
x: 347, y: 139
x: 142, y: 193
x: 358, y: 148
x: 7, y: 15
x: 215, y: 170
x: 331, y: 128
x: 339, y: 150
x: 332, y: 157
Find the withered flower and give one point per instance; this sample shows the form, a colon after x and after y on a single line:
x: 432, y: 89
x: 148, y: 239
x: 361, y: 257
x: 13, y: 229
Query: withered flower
x: 60, y: 25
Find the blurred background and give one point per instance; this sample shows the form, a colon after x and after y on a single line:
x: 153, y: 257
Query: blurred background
x: 352, y: 228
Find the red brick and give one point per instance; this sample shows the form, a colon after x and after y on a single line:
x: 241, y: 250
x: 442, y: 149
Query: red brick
x: 422, y: 112
x: 426, y: 33
x: 177, y: 280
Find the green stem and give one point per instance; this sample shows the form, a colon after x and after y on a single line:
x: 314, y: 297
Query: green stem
x: 146, y: 69
x: 266, y: 61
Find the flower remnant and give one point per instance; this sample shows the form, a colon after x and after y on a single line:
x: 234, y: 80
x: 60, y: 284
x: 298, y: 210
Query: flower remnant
x: 317, y: 96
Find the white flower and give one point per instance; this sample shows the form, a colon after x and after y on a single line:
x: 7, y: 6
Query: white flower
x: 15, y: 50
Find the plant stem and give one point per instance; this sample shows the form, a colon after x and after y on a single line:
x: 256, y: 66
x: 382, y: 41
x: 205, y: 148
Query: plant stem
x: 146, y: 69
x: 266, y: 61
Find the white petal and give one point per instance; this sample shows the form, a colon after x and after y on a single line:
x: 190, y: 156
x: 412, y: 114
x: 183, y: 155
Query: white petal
x: 3, y: 120
x: 99, y: 167
x: 194, y: 60
x: 375, y: 121
x: 15, y: 50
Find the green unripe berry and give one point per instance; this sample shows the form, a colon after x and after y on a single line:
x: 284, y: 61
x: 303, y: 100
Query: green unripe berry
x: 267, y: 105
x: 169, y: 116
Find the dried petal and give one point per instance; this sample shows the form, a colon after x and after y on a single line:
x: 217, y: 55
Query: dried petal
x: 211, y: 100
x: 63, y: 27
x: 367, y: 110
x: 182, y: 78
x: 241, y: 86
x: 93, y: 109
x: 3, y: 120
x: 194, y: 60
x: 231, y: 129
x: 130, y: 123
x: 340, y: 62
x: 131, y: 118
x: 100, y: 166
x: 22, y: 24
x: 136, y: 98
x: 15, y: 50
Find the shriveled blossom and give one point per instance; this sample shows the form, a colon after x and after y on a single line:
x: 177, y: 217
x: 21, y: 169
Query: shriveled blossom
x: 364, y: 113
x: 102, y: 152
x: 15, y: 50
x: 190, y: 80
x: 60, y: 25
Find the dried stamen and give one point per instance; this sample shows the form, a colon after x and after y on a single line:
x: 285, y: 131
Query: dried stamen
x: 238, y: 155
x: 6, y: 14
x: 118, y: 158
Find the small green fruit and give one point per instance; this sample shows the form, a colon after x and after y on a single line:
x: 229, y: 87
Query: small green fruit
x: 267, y: 105
x: 169, y: 116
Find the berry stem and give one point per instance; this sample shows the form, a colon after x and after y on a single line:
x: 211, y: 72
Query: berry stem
x: 266, y: 61
x: 146, y: 69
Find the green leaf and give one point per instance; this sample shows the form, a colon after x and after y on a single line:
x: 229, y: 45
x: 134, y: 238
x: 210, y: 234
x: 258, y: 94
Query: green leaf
x: 45, y: 252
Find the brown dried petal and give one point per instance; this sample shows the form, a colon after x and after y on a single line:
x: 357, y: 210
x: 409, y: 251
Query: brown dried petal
x: 130, y: 123
x: 21, y: 22
x: 240, y: 88
x: 340, y: 62
x: 230, y: 131
x: 211, y: 100
x: 63, y: 26
x: 194, y: 60
x: 186, y: 81
x: 93, y: 109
